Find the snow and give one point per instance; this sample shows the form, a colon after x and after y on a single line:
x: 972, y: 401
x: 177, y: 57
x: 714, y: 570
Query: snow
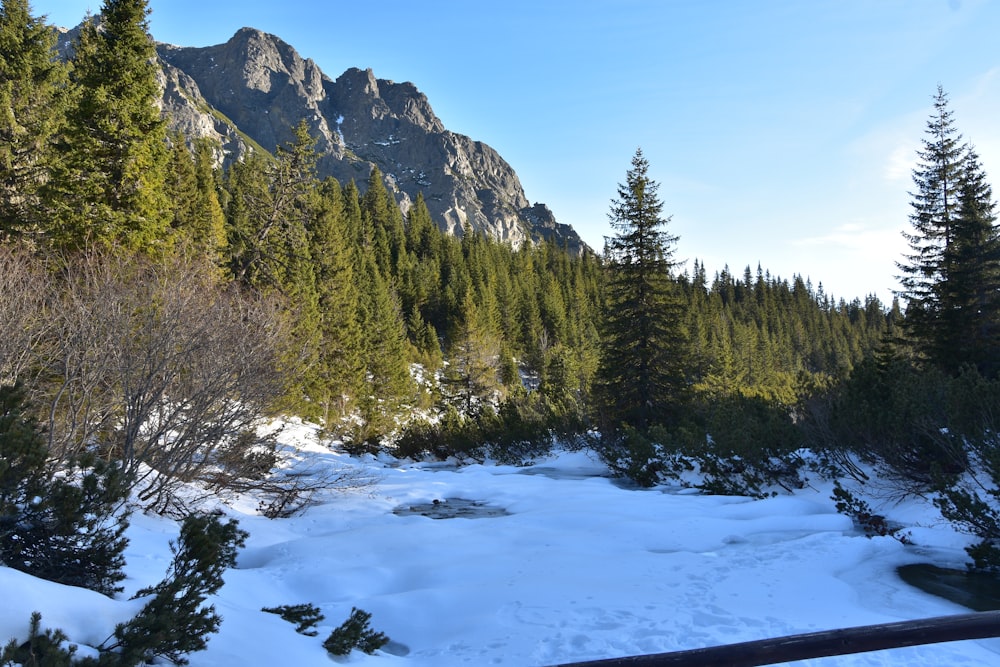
x: 579, y: 568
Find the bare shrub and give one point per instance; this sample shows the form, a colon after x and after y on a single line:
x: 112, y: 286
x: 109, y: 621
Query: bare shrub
x: 25, y: 293
x: 158, y: 365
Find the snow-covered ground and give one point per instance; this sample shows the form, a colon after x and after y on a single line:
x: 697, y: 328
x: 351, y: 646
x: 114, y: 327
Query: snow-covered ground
x: 578, y: 568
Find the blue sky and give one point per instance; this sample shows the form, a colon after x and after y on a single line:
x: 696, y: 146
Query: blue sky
x: 782, y: 132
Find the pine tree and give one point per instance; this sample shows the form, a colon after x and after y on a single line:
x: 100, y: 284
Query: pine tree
x: 382, y: 225
x: 641, y: 374
x: 52, y: 527
x: 116, y: 150
x: 935, y: 207
x: 181, y: 184
x: 193, y: 193
x: 175, y: 620
x: 33, y: 96
x: 248, y: 190
x: 951, y: 275
x: 385, y: 351
x: 269, y: 213
x: 340, y: 368
x: 971, y: 297
x: 472, y: 375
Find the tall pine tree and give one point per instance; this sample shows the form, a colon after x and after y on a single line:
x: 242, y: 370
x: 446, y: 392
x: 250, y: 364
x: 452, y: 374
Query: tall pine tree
x: 971, y: 298
x: 339, y: 373
x: 116, y: 149
x: 640, y: 380
x: 951, y: 275
x: 33, y: 97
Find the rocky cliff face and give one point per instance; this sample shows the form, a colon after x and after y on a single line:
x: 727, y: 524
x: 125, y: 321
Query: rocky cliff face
x: 255, y: 88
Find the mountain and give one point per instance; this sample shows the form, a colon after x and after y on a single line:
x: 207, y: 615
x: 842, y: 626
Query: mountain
x: 255, y: 88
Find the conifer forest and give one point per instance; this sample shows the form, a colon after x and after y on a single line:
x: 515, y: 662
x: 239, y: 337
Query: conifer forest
x: 151, y: 293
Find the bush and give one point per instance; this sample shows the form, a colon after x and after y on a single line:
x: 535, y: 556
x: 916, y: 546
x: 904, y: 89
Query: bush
x: 902, y: 418
x: 523, y: 428
x: 645, y: 458
x: 42, y: 649
x: 304, y: 616
x: 157, y: 363
x: 863, y: 516
x: 65, y: 526
x: 452, y: 435
x: 752, y: 445
x: 354, y: 633
x: 740, y: 445
x: 174, y: 621
x: 931, y: 432
x: 978, y: 517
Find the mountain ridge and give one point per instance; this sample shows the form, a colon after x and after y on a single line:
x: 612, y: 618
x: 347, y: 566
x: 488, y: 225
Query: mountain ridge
x: 252, y: 90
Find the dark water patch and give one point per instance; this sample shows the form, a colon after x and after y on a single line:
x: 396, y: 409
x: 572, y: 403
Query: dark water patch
x: 396, y: 648
x: 562, y: 473
x: 976, y: 590
x: 452, y: 508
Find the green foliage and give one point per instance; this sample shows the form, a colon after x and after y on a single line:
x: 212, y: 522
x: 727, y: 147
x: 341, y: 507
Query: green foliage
x: 971, y: 500
x: 304, y: 616
x: 112, y: 179
x: 968, y: 510
x: 643, y: 347
x: 42, y: 649
x: 951, y: 275
x: 751, y: 446
x: 197, y: 215
x: 384, y: 353
x: 863, y: 516
x: 646, y: 458
x: 929, y: 431
x: 33, y: 97
x: 471, y: 379
x: 355, y: 633
x: 452, y: 435
x: 338, y: 372
x: 908, y: 420
x: 171, y: 624
x: 67, y: 527
x: 524, y: 427
x: 174, y: 622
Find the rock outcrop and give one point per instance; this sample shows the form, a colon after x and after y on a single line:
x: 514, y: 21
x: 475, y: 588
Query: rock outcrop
x: 255, y: 88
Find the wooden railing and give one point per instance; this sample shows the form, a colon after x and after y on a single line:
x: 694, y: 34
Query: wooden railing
x: 823, y: 644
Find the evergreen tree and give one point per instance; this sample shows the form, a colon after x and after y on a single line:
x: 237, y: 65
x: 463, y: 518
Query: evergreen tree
x: 181, y: 184
x: 951, y: 275
x: 198, y: 213
x: 116, y: 150
x: 52, y: 527
x: 340, y: 368
x: 248, y: 189
x: 352, y: 214
x: 472, y: 375
x: 385, y: 352
x: 971, y: 297
x: 935, y: 207
x: 175, y: 620
x: 33, y: 96
x: 641, y: 374
x: 382, y: 225
x: 269, y: 214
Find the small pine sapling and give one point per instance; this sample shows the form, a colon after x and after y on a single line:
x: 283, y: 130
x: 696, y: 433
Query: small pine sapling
x: 42, y: 649
x: 305, y: 616
x: 66, y: 525
x: 864, y: 516
x: 174, y: 622
x: 355, y: 633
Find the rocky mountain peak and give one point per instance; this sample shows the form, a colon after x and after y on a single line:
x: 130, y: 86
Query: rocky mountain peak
x: 255, y: 88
